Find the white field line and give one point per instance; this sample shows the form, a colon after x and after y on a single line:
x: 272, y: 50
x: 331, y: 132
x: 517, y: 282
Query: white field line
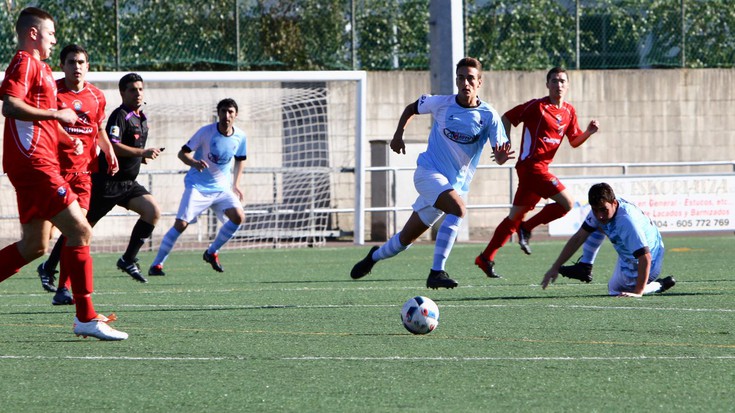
x: 388, y: 358
x: 344, y: 306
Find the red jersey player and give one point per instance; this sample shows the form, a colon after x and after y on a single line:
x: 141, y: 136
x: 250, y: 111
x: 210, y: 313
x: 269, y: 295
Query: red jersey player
x: 30, y: 159
x: 77, y: 161
x: 545, y: 123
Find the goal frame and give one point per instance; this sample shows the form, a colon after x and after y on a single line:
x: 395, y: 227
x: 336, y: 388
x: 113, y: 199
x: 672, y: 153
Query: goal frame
x: 358, y: 76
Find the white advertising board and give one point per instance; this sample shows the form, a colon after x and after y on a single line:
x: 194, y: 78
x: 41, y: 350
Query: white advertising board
x: 675, y: 204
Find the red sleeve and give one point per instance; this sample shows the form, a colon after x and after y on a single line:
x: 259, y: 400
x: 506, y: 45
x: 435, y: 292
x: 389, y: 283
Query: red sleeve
x: 16, y: 79
x: 573, y: 129
x: 516, y: 115
x: 102, y: 103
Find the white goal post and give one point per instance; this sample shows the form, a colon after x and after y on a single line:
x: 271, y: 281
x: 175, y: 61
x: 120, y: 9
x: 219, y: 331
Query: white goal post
x: 304, y: 175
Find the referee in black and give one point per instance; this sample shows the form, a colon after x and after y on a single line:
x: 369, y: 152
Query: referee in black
x: 127, y: 128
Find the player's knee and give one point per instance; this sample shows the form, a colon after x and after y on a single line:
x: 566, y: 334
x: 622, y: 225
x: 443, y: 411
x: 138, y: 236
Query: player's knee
x: 180, y: 225
x: 31, y: 248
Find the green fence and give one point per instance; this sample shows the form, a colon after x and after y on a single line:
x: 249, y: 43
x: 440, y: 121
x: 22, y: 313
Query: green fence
x: 385, y: 34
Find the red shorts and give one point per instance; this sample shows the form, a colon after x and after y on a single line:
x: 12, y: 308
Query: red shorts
x: 81, y: 184
x: 41, y: 197
x: 534, y: 184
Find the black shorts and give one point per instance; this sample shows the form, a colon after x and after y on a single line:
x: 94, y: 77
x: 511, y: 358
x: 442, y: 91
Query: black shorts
x: 106, y: 194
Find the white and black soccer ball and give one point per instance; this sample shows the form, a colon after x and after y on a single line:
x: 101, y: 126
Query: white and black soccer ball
x: 420, y: 315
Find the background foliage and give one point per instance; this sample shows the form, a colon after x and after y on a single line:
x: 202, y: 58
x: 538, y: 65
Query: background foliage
x: 385, y: 34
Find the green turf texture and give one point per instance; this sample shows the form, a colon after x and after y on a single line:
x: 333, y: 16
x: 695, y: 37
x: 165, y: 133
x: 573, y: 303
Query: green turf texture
x: 289, y: 331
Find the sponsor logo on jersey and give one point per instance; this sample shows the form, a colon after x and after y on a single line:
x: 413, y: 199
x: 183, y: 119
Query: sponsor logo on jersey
x: 217, y: 159
x: 460, y: 137
x: 555, y: 141
x: 79, y: 130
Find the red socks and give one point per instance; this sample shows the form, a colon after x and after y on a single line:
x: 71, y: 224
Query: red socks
x: 501, y: 236
x: 78, y: 263
x: 11, y: 261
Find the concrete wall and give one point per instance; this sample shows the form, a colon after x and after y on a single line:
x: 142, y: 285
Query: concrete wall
x: 645, y: 116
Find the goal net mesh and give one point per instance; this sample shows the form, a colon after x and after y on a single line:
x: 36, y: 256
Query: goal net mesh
x: 298, y: 184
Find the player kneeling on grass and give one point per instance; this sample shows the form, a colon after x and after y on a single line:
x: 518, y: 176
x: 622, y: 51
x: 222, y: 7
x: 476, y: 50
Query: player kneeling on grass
x: 211, y: 154
x: 635, y: 238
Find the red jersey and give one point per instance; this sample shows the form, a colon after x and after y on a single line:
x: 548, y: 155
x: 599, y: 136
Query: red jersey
x: 544, y: 127
x: 89, y: 104
x: 29, y: 147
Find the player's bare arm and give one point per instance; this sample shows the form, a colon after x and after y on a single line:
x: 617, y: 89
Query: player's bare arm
x: 397, y: 144
x: 644, y: 269
x: 569, y: 249
x: 237, y: 174
x: 16, y: 108
x: 188, y: 159
x: 103, y: 141
x: 502, y: 153
x: 506, y: 126
x: 592, y: 128
x: 65, y: 138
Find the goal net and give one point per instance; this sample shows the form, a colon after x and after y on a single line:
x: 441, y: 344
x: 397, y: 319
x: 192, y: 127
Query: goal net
x: 303, y: 132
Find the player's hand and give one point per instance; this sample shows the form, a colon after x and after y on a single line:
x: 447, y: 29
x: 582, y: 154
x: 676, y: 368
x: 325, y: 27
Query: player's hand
x: 200, y: 165
x: 550, y: 277
x: 502, y: 153
x: 397, y: 144
x: 113, y: 166
x: 593, y: 127
x: 78, y: 146
x: 238, y: 192
x: 630, y: 295
x: 67, y: 116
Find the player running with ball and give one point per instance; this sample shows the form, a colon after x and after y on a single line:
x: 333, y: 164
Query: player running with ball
x: 462, y: 125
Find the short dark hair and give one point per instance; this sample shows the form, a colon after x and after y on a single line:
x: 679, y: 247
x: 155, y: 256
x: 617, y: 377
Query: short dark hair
x: 227, y: 103
x: 600, y: 193
x: 554, y: 71
x: 470, y: 62
x: 127, y: 79
x: 31, y: 16
x: 72, y: 49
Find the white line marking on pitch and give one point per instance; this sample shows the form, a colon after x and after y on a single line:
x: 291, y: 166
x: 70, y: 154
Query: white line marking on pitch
x: 441, y: 304
x: 393, y: 358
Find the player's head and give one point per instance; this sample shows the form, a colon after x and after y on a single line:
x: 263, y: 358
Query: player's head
x: 602, y: 201
x: 557, y: 82
x: 469, y: 79
x: 469, y: 62
x: 226, y: 113
x: 75, y: 64
x: 36, y: 31
x: 131, y: 90
x: 227, y: 103
x: 72, y: 49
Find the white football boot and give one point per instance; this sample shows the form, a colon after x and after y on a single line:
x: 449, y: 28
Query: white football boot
x: 99, y: 328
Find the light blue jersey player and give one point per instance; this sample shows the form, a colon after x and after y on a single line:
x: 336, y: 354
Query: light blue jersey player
x: 463, y: 124
x: 216, y: 154
x: 635, y: 238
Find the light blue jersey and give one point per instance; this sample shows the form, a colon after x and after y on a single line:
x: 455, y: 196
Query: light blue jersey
x: 457, y: 137
x: 219, y: 151
x: 630, y: 231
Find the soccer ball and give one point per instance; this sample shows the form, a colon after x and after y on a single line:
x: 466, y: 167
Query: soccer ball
x: 420, y: 315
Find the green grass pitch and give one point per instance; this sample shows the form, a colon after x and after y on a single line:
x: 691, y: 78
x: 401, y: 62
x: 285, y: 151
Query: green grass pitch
x: 289, y: 331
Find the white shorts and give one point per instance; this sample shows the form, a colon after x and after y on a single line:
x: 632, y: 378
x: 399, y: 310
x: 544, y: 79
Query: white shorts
x: 193, y: 203
x: 429, y: 184
x: 626, y: 274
